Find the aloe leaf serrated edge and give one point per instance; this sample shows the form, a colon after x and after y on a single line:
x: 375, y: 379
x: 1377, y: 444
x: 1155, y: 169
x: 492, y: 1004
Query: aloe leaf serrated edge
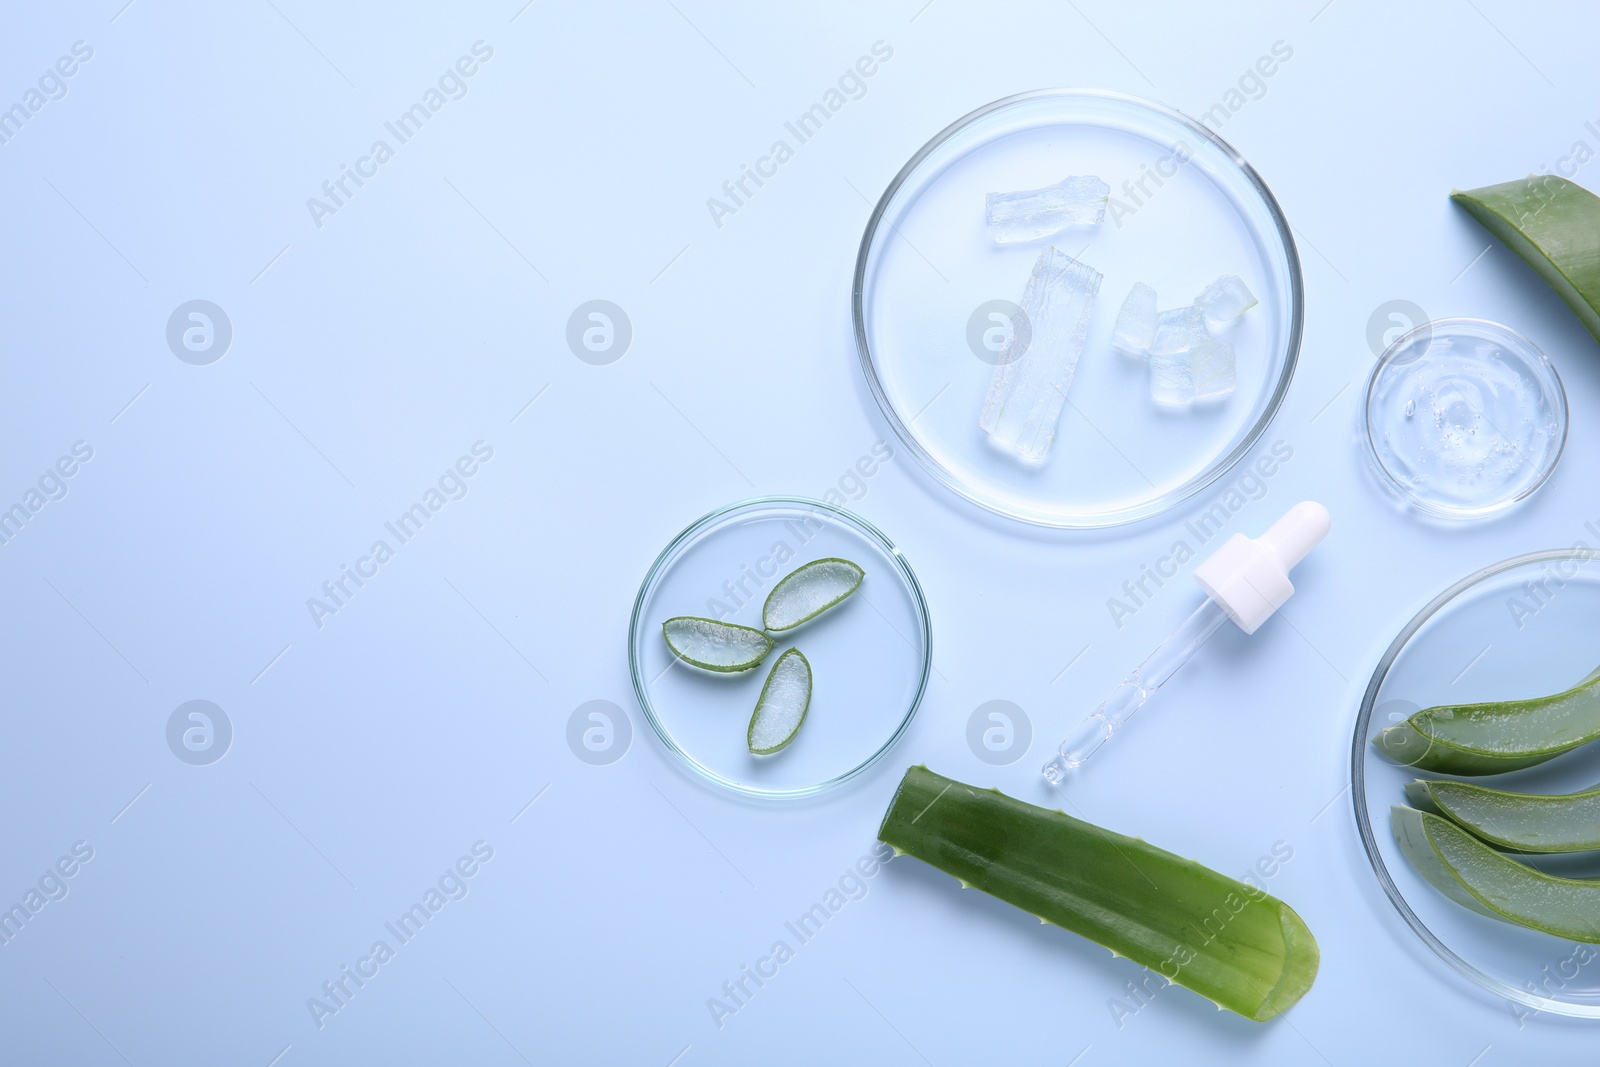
x: 1554, y: 225
x: 1235, y: 945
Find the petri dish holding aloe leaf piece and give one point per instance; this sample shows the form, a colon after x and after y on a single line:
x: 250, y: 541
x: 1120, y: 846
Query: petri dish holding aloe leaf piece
x: 1516, y: 630
x: 938, y: 296
x: 866, y: 642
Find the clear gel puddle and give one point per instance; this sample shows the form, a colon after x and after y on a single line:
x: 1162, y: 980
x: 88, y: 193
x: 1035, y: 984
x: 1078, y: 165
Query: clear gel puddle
x: 1465, y: 418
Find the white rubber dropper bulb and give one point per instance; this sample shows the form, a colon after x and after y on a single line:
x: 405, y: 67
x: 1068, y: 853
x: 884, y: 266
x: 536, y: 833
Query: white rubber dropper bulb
x: 1249, y: 577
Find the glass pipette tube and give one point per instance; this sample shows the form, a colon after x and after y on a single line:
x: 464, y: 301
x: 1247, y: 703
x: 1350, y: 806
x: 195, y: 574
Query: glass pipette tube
x: 1127, y: 698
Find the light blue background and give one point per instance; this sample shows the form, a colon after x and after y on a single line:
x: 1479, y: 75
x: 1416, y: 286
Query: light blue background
x: 425, y: 315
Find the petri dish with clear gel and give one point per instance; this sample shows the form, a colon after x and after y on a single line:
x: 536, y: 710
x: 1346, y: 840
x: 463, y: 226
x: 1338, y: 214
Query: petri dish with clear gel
x: 1185, y: 208
x: 870, y: 656
x: 1464, y: 418
x: 1523, y: 627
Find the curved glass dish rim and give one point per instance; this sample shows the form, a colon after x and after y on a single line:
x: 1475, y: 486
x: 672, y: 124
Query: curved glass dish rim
x: 1359, y: 796
x: 865, y: 527
x: 1423, y: 504
x: 1166, y: 501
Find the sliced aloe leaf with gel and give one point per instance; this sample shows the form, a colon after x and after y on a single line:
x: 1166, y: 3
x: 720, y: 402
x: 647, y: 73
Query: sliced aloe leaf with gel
x: 781, y: 711
x: 724, y: 647
x: 1475, y: 876
x: 1474, y: 739
x: 808, y: 591
x: 1554, y: 225
x: 1233, y: 944
x: 1523, y: 822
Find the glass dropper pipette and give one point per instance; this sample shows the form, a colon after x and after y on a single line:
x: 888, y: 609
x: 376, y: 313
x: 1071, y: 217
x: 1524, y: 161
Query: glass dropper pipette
x: 1245, y: 580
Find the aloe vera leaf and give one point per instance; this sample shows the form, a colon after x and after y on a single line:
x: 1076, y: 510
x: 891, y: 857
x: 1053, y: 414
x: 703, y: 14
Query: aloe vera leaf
x: 808, y: 591
x: 1524, y: 822
x: 1233, y: 944
x: 781, y: 711
x: 724, y: 647
x: 1474, y: 739
x: 1476, y: 876
x: 1554, y: 225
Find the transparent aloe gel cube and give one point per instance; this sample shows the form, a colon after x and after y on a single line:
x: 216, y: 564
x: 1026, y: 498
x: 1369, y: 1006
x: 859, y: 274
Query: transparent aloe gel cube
x: 1172, y: 380
x: 1135, y: 327
x: 1177, y: 331
x: 1224, y: 300
x: 1211, y: 368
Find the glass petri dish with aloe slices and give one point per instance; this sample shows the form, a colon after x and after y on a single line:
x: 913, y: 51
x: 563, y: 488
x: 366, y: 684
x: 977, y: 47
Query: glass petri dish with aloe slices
x: 1519, y: 630
x: 869, y: 654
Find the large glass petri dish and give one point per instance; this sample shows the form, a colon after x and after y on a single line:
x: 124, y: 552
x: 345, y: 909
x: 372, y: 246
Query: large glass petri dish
x: 1523, y: 627
x: 870, y: 656
x: 1186, y: 208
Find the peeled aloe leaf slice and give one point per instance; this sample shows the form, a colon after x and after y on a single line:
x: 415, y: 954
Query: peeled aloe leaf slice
x: 1473, y: 739
x: 1554, y: 225
x: 808, y: 591
x: 1524, y: 822
x: 1239, y: 947
x: 724, y: 647
x: 781, y: 711
x: 1476, y: 876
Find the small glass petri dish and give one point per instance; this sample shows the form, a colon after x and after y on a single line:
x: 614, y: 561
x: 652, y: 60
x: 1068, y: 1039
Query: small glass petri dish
x: 1524, y: 627
x: 1185, y: 209
x: 1464, y: 418
x: 870, y: 656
